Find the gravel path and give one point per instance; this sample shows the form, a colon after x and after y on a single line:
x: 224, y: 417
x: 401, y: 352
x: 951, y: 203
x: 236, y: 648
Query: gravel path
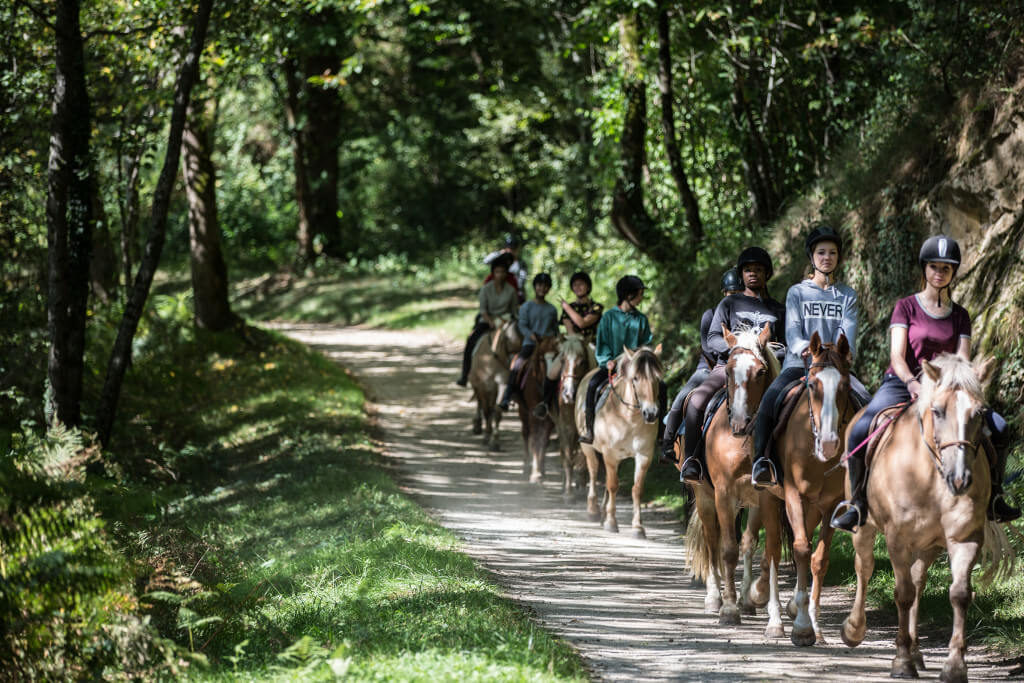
x: 627, y: 605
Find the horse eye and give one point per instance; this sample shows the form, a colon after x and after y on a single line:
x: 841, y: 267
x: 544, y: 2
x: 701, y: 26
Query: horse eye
x: 938, y: 412
x: 760, y: 372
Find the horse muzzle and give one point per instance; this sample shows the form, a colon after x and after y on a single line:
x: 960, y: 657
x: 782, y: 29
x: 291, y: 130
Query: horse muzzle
x: 828, y: 450
x: 650, y: 416
x: 958, y: 483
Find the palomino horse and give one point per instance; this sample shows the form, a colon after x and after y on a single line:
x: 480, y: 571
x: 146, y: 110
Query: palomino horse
x: 750, y: 369
x: 809, y: 451
x: 536, y: 430
x: 625, y: 426
x: 928, y: 490
x: 569, y: 366
x: 488, y: 372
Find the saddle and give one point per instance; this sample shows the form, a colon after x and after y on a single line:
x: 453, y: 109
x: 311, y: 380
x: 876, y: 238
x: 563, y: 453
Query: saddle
x: 787, y: 402
x: 872, y: 446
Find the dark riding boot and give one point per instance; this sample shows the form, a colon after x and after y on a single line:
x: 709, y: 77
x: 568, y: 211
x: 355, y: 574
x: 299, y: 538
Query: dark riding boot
x: 999, y: 509
x: 765, y: 471
x: 668, y: 437
x: 513, y: 384
x: 695, y: 465
x: 855, y: 510
x: 588, y: 422
x: 542, y: 408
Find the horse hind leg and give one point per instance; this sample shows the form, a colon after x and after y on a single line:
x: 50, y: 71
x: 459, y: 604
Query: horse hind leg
x: 611, y: 488
x: 641, y: 464
x: 729, y: 614
x: 750, y: 598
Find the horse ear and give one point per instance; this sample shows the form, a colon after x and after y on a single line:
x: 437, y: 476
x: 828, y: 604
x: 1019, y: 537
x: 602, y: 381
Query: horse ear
x: 629, y: 354
x: 983, y: 368
x: 933, y: 372
x: 730, y: 338
x: 765, y: 335
x: 843, y: 346
x: 815, y: 343
x: 657, y: 350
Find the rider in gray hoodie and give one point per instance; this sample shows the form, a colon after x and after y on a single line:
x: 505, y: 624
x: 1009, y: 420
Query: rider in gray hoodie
x: 817, y: 304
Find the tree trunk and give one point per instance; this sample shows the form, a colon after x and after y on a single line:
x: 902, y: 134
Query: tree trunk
x: 120, y: 356
x: 756, y: 160
x: 129, y: 216
x: 69, y: 219
x: 103, y: 261
x: 305, y: 253
x: 209, y: 272
x: 675, y: 160
x: 322, y: 114
x: 629, y: 216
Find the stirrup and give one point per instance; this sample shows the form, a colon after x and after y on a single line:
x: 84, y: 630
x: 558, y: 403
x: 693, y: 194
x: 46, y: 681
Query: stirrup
x: 843, y: 505
x: 695, y: 459
x: 771, y: 470
x: 587, y: 437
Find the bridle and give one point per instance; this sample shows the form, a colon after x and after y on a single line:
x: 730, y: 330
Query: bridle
x: 815, y: 429
x: 935, y: 448
x: 752, y: 420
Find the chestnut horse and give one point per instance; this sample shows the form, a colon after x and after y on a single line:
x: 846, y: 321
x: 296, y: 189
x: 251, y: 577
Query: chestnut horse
x: 625, y: 426
x: 536, y: 430
x: 928, y: 490
x: 750, y: 369
x: 488, y: 373
x: 812, y: 484
x: 572, y: 362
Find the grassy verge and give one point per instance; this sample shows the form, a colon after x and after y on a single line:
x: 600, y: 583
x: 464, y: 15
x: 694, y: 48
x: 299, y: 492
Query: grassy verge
x: 283, y: 550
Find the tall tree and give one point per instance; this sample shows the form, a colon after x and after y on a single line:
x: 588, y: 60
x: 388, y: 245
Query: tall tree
x: 69, y: 218
x: 120, y: 356
x: 209, y: 271
x: 668, y: 126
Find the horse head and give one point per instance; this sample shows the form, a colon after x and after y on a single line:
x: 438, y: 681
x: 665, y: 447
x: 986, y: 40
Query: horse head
x: 828, y: 392
x: 750, y: 369
x: 641, y: 370
x: 506, y: 340
x: 950, y: 411
x: 574, y: 366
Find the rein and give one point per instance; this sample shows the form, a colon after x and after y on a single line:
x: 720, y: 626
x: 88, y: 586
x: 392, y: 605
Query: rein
x: 632, y: 406
x: 935, y: 448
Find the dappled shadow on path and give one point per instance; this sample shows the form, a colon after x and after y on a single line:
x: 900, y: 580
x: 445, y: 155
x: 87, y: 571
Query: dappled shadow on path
x: 627, y: 604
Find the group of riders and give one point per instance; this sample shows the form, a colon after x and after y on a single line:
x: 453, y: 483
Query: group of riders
x: 922, y: 326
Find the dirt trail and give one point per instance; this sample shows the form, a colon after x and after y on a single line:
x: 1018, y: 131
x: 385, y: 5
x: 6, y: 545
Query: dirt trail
x: 626, y: 604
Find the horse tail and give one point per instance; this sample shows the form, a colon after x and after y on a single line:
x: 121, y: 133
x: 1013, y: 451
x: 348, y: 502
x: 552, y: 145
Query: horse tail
x: 697, y: 552
x: 998, y: 558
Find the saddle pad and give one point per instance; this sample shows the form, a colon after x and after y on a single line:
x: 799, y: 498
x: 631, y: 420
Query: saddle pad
x: 603, y: 392
x: 716, y: 401
x: 785, y: 405
x: 884, y: 414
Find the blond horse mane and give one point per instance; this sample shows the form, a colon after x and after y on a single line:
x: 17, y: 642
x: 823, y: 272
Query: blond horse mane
x: 747, y: 338
x: 572, y: 346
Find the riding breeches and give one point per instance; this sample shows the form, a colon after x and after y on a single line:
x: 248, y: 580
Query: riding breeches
x: 674, y: 418
x: 767, y: 413
x: 699, y: 399
x: 480, y: 328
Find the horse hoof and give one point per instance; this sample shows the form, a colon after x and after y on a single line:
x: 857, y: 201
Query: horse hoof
x: 712, y: 605
x: 918, y: 659
x: 477, y: 430
x: 954, y: 673
x: 820, y: 638
x: 791, y: 608
x: 850, y: 635
x: 536, y: 479
x: 612, y: 527
x: 774, y: 631
x: 748, y: 609
x: 903, y: 668
x: 594, y: 516
x: 729, y: 615
x: 803, y: 638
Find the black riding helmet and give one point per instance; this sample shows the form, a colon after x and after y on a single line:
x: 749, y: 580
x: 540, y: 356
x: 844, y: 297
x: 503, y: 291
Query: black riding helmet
x: 731, y: 281
x: 940, y: 249
x: 581, y: 276
x: 501, y: 261
x: 541, y: 278
x: 512, y: 240
x: 756, y: 255
x: 628, y: 286
x: 822, y: 233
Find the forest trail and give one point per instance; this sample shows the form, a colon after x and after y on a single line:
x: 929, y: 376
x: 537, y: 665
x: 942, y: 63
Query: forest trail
x: 627, y: 605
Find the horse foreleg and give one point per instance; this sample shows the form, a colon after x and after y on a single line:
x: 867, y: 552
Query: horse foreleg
x: 708, y: 519
x: 729, y: 614
x: 771, y: 510
x: 593, y: 512
x: 749, y: 599
x: 962, y: 557
x: 642, y: 463
x: 855, y: 624
x: 819, y: 567
x: 802, y: 634
x: 904, y: 594
x: 919, y: 575
x: 611, y: 489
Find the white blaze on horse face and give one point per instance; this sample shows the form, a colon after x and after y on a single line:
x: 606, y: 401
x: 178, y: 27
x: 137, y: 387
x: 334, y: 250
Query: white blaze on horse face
x: 829, y: 378
x: 741, y: 373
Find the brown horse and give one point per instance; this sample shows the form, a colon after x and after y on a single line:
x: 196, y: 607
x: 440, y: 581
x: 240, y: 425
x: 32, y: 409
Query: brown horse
x: 750, y: 369
x: 488, y: 372
x: 812, y: 484
x: 625, y: 426
x: 572, y: 362
x: 536, y: 430
x: 927, y: 491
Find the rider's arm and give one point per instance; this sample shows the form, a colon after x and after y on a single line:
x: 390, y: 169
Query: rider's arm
x: 796, y: 337
x: 850, y: 311
x: 897, y: 353
x: 577, y: 319
x: 716, y: 340
x: 963, y: 349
